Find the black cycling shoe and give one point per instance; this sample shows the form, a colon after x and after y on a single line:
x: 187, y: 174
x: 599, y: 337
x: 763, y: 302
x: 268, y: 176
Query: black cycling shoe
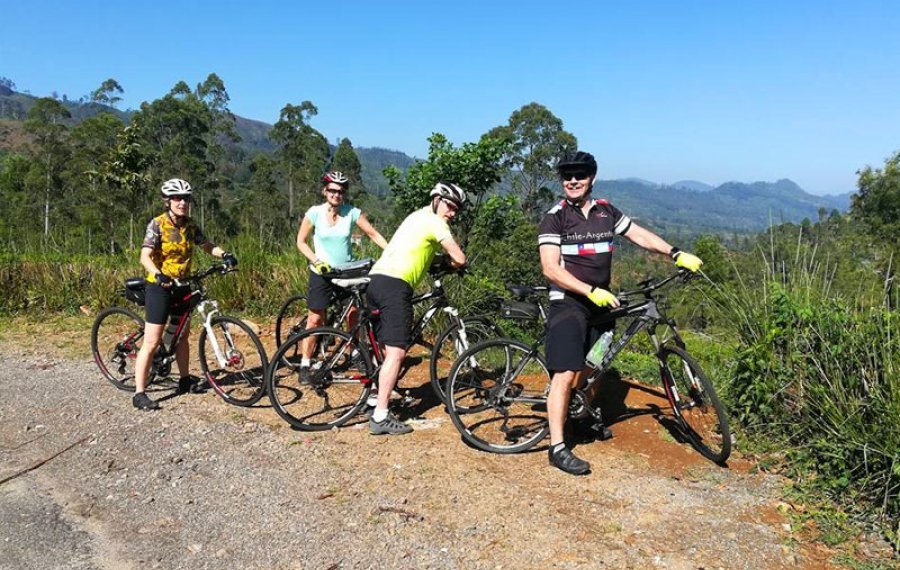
x: 565, y: 460
x: 143, y: 402
x: 199, y: 386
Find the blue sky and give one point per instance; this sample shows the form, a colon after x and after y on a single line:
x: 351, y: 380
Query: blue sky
x: 661, y: 90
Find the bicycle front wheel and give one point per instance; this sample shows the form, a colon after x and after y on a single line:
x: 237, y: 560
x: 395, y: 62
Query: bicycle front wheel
x: 327, y: 393
x: 237, y: 371
x: 451, y: 343
x: 115, y: 342
x: 695, y: 404
x: 291, y: 319
x: 497, y: 396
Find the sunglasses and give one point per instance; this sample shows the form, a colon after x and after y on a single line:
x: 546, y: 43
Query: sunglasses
x: 339, y: 191
x: 577, y: 174
x: 451, y: 205
x: 180, y: 198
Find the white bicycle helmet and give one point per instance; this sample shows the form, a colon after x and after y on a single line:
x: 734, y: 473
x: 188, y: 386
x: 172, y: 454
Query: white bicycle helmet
x: 336, y: 177
x: 175, y: 187
x: 449, y: 191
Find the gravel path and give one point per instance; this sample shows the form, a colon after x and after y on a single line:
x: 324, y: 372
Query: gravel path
x: 201, y: 484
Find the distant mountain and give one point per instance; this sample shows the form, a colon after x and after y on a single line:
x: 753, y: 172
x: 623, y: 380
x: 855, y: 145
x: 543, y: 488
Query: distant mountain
x: 733, y: 206
x: 694, y: 185
x: 641, y: 181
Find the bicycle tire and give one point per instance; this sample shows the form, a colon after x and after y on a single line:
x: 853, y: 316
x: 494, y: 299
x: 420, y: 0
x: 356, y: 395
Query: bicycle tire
x: 497, y: 396
x: 448, y: 346
x: 116, y: 338
x: 241, y: 382
x: 337, y: 388
x: 291, y: 318
x: 697, y: 408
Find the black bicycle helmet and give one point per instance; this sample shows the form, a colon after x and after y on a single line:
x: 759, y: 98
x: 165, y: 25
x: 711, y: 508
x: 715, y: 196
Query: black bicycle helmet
x: 578, y: 161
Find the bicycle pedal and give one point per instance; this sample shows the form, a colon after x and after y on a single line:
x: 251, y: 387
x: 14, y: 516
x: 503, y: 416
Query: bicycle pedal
x: 603, y: 432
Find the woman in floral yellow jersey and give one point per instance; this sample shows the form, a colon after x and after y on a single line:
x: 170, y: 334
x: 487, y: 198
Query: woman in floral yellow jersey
x: 166, y: 256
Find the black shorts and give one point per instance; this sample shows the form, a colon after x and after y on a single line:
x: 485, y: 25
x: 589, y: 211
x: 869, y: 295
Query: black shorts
x: 319, y: 292
x: 570, y: 334
x: 162, y: 303
x: 393, y: 298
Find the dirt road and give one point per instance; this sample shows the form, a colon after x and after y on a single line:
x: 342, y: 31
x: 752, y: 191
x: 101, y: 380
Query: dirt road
x: 201, y: 484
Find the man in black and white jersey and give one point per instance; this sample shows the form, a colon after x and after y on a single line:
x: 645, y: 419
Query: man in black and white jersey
x: 576, y: 243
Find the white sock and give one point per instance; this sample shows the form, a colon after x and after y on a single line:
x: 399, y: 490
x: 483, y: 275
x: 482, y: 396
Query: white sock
x: 304, y: 363
x: 372, y: 401
x: 379, y: 414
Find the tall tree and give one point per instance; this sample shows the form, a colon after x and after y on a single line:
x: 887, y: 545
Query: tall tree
x: 106, y: 93
x: 304, y: 150
x: 127, y: 172
x: 92, y: 141
x: 877, y: 204
x: 44, y: 122
x: 347, y: 161
x: 476, y: 167
x: 536, y: 139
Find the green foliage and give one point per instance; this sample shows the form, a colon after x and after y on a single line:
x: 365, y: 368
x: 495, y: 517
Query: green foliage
x: 476, y: 167
x: 877, y: 204
x: 818, y: 365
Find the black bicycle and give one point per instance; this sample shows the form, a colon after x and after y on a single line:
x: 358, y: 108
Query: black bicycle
x: 498, y: 388
x: 232, y: 358
x: 292, y: 315
x: 345, y: 363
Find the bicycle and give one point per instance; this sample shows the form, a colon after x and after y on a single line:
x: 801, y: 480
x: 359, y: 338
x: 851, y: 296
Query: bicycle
x: 231, y: 355
x: 499, y: 387
x: 292, y: 315
x: 346, y: 363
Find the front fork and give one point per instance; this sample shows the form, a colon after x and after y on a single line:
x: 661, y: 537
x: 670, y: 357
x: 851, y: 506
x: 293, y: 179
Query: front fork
x: 207, y: 310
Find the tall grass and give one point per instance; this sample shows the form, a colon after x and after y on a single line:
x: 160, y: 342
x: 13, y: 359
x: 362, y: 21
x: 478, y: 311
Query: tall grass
x: 818, y: 369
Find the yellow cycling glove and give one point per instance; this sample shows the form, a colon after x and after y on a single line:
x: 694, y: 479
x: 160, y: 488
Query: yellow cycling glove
x: 602, y: 297
x: 686, y: 260
x: 321, y: 267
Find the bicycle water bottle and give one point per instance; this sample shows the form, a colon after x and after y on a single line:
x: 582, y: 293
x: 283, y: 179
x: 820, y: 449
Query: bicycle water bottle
x: 598, y: 351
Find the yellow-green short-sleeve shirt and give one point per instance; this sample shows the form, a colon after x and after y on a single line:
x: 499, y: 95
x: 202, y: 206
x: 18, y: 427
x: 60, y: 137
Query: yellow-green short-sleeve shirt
x: 412, y: 247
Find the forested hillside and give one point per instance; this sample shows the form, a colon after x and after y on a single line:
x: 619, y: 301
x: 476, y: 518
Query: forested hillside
x: 686, y: 208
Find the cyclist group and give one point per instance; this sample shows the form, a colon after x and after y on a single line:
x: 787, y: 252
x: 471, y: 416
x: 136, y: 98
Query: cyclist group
x: 575, y: 242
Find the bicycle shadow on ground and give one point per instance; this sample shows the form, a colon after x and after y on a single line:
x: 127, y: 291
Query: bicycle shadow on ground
x: 613, y: 397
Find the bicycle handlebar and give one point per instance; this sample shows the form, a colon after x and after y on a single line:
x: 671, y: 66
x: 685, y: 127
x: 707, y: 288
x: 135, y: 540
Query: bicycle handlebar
x: 651, y: 284
x: 221, y: 268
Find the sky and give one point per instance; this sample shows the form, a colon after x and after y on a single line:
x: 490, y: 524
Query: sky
x: 662, y: 90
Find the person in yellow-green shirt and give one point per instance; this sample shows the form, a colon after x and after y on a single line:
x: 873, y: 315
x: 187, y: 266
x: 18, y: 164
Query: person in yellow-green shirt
x: 166, y: 256
x: 394, y: 276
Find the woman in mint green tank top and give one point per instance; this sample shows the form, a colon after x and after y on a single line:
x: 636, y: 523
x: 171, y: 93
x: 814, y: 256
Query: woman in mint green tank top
x: 330, y: 224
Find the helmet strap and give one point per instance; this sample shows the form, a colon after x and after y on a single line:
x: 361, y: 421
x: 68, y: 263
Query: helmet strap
x: 580, y: 201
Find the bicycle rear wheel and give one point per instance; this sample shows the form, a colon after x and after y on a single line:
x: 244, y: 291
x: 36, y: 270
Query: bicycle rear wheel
x: 115, y: 342
x: 497, y: 396
x: 291, y: 318
x: 239, y: 377
x: 450, y: 344
x: 695, y: 404
x: 330, y: 391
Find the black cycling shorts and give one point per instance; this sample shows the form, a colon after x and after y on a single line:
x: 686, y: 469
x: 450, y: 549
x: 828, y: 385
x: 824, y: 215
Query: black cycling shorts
x: 319, y: 292
x: 393, y: 298
x: 569, y: 334
x: 161, y: 303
